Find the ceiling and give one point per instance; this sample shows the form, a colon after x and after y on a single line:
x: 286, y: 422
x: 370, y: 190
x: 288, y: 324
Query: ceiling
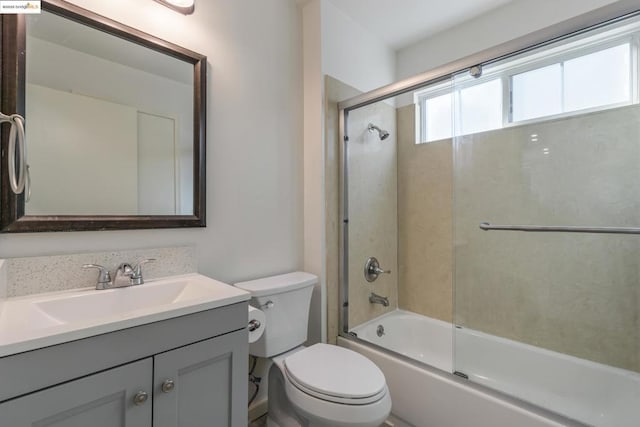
x: 399, y: 23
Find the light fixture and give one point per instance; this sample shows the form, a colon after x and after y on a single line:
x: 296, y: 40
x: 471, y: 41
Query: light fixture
x: 183, y: 6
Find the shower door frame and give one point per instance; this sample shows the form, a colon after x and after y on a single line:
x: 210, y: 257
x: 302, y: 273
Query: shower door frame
x: 569, y: 28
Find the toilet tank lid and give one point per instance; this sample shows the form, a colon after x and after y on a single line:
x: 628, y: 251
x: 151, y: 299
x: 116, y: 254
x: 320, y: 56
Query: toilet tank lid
x: 277, y: 284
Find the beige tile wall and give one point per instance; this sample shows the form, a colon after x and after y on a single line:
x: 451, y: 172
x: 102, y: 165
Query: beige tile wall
x: 372, y: 210
x: 573, y: 293
x: 425, y: 239
x: 576, y: 294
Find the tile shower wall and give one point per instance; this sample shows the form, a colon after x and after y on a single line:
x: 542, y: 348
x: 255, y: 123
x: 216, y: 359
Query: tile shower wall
x: 572, y: 293
x: 372, y: 209
x: 32, y: 275
x: 425, y: 228
x: 576, y: 294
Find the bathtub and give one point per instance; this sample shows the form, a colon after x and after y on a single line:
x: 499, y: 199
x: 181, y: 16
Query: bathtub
x: 425, y: 393
x: 427, y: 340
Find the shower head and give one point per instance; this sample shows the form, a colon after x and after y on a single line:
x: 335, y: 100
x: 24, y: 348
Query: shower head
x: 382, y: 134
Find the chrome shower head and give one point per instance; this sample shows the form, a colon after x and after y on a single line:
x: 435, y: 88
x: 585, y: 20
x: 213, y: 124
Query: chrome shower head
x: 382, y: 134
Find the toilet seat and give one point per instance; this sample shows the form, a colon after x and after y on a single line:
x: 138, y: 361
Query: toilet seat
x: 335, y: 374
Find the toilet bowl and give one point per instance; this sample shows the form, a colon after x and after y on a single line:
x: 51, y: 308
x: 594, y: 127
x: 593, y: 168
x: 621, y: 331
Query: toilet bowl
x: 333, y: 386
x: 318, y: 386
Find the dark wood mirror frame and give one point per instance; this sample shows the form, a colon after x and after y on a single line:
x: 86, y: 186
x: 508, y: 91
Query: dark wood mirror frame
x: 12, y: 69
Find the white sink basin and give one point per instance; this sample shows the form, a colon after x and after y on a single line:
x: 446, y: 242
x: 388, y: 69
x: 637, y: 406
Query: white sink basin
x: 36, y: 321
x: 91, y: 305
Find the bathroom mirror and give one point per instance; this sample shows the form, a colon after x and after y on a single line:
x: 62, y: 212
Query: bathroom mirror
x: 114, y: 124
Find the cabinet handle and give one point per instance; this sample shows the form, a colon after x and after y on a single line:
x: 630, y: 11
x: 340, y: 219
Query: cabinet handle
x: 168, y: 385
x: 140, y: 398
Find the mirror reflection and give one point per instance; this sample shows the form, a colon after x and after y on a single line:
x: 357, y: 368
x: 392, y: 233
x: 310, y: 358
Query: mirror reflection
x: 109, y: 123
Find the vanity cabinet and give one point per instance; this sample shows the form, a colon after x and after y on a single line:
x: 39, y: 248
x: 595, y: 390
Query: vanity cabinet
x: 186, y: 379
x: 100, y: 400
x: 196, y: 386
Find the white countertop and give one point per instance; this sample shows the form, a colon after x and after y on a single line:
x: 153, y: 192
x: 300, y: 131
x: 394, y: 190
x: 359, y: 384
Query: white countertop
x: 41, y: 320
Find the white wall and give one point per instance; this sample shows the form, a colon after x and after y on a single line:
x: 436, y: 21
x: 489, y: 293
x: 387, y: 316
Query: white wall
x: 254, y: 132
x: 314, y: 245
x: 352, y: 54
x: 60, y: 144
x: 337, y: 46
x: 515, y: 19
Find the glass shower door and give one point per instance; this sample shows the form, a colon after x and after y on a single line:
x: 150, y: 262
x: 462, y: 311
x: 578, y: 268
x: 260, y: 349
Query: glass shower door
x: 549, y: 316
x: 372, y: 217
x: 399, y: 185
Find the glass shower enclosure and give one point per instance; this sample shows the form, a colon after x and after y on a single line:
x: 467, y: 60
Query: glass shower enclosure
x: 491, y: 222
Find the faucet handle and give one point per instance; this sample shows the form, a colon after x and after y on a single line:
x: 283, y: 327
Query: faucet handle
x: 137, y: 271
x: 372, y: 269
x: 104, y: 277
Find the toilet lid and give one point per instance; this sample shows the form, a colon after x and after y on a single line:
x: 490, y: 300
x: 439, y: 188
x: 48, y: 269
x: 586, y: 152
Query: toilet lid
x: 332, y: 371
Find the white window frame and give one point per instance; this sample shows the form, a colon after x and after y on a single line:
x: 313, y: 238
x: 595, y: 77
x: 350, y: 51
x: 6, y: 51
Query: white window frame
x: 561, y: 59
x: 591, y: 42
x: 420, y: 100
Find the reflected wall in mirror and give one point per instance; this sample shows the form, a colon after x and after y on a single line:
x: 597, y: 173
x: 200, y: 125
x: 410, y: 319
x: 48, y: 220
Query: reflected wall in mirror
x: 114, y: 124
x: 125, y: 149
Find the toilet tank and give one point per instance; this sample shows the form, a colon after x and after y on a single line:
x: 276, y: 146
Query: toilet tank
x: 285, y: 301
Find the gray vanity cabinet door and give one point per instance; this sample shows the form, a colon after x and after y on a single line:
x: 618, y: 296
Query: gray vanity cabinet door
x: 203, y: 384
x: 100, y: 400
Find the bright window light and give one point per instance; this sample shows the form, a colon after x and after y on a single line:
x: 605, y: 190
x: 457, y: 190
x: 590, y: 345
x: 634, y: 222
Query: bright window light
x: 581, y: 76
x: 537, y: 93
x: 438, y: 118
x: 481, y: 107
x: 597, y: 79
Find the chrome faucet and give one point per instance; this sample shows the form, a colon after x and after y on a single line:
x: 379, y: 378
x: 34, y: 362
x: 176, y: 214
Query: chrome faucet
x: 136, y: 277
x: 378, y: 299
x: 125, y: 275
x: 104, y: 277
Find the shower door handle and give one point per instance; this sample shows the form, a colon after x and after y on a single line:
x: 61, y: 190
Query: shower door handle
x: 372, y: 269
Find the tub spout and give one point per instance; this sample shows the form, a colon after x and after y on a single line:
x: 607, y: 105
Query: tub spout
x: 378, y: 299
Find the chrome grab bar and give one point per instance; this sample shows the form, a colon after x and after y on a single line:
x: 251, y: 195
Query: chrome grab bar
x: 567, y: 229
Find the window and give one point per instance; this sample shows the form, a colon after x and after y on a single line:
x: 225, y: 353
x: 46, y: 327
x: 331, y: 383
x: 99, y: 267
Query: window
x: 600, y: 78
x: 480, y: 107
x: 592, y: 73
x: 438, y: 115
x: 537, y: 93
x: 594, y: 80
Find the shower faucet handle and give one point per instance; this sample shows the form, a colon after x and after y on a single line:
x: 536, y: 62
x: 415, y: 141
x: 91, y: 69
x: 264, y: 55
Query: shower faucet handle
x: 372, y: 269
x: 378, y: 270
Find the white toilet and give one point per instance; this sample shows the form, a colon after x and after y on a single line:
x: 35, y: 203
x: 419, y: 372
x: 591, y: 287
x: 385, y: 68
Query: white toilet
x: 318, y: 386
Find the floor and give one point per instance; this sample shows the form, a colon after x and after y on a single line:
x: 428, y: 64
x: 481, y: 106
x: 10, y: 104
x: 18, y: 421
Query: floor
x: 260, y: 422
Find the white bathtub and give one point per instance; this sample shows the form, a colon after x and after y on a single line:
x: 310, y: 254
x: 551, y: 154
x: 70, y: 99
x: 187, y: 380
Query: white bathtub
x: 589, y: 392
x: 424, y: 339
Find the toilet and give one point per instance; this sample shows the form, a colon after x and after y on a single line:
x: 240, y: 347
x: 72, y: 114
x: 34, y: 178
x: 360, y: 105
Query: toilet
x: 318, y: 386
